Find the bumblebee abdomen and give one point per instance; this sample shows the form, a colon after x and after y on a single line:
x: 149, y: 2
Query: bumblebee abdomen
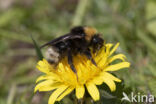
x: 52, y: 55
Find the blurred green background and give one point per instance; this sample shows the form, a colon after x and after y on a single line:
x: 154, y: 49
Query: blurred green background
x: 130, y: 22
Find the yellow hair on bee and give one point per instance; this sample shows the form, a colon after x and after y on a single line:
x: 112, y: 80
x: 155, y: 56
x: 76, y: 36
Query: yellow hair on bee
x: 90, y: 32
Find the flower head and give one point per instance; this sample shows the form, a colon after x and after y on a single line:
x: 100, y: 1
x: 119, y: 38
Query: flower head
x: 63, y: 80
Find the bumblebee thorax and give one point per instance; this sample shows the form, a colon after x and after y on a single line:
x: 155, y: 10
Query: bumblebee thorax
x: 90, y: 32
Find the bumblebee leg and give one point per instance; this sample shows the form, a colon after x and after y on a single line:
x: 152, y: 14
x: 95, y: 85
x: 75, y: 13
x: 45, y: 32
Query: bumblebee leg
x: 89, y: 56
x: 70, y: 61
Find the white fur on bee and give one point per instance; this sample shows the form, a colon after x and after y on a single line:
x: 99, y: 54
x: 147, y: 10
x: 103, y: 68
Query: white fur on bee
x: 52, y: 54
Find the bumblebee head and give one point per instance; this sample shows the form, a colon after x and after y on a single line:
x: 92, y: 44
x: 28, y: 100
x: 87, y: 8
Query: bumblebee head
x: 96, y: 42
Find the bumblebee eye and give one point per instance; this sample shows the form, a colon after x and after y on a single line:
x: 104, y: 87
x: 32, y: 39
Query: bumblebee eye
x: 97, y: 40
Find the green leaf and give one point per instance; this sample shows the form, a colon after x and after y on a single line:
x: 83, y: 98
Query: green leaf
x: 57, y: 102
x: 106, y: 95
x: 38, y: 51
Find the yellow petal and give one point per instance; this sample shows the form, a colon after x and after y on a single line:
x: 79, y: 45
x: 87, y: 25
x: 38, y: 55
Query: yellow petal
x: 109, y: 45
x: 110, y: 84
x: 103, y: 61
x: 69, y: 90
x: 109, y: 80
x: 80, y: 90
x: 93, y: 91
x: 61, y: 67
x: 44, y: 85
x: 98, y: 80
x: 107, y: 75
x: 117, y: 66
x: 47, y: 86
x: 119, y: 56
x: 56, y: 94
x: 44, y: 77
x: 114, y: 49
x: 43, y: 66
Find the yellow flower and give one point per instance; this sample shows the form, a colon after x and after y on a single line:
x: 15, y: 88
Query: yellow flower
x: 63, y: 80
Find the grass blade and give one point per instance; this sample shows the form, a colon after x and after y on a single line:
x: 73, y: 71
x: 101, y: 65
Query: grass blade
x: 38, y: 51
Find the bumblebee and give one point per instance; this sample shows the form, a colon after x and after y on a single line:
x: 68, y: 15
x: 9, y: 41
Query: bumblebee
x: 78, y: 41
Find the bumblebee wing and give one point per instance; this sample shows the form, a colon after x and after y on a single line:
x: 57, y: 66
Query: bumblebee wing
x: 61, y: 38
